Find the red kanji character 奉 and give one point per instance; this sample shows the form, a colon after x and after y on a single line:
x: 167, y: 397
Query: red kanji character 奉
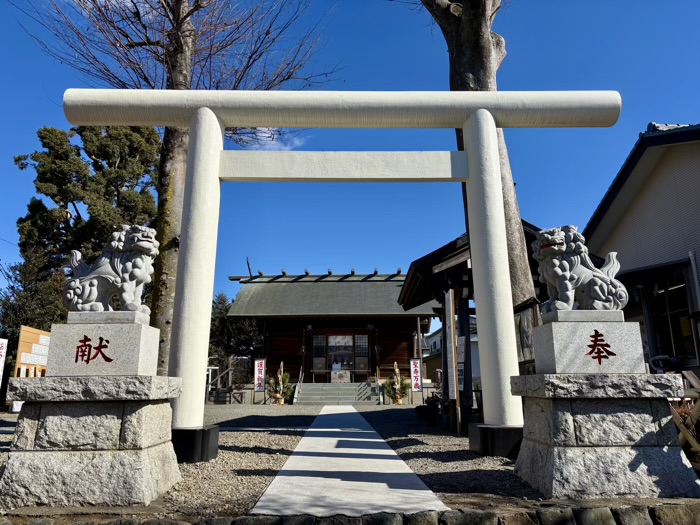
x: 599, y: 348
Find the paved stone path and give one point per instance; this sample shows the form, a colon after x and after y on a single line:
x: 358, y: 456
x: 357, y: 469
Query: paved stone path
x: 342, y: 466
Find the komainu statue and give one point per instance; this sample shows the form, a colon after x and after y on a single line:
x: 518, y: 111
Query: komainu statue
x: 125, y: 266
x: 573, y: 282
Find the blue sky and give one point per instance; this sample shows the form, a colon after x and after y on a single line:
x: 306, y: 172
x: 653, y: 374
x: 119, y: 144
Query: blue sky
x: 647, y: 52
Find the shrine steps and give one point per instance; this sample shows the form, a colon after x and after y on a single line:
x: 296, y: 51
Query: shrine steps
x: 338, y: 394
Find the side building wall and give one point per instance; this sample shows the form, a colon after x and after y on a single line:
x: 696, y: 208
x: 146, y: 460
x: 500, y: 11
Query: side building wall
x: 661, y: 223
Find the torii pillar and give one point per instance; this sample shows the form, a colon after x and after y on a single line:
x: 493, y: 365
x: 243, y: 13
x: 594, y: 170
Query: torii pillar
x: 208, y: 113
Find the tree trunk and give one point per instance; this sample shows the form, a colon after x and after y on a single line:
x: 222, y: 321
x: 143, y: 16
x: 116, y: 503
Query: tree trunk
x: 475, y: 55
x: 171, y: 183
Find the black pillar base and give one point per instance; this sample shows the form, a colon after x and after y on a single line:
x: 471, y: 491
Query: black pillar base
x: 197, y: 444
x: 493, y: 440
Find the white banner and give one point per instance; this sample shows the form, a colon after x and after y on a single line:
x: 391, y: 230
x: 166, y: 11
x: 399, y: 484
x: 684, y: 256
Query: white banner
x: 34, y: 359
x: 40, y: 349
x: 416, y: 379
x: 460, y: 348
x: 3, y: 355
x: 449, y: 328
x: 260, y: 375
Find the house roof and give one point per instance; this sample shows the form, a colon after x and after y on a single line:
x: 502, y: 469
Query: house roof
x: 323, y: 296
x: 639, y: 164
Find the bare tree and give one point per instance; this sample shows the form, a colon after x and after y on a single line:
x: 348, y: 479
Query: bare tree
x: 178, y: 44
x: 475, y: 54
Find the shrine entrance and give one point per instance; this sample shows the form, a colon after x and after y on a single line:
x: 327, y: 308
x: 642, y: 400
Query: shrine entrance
x: 208, y: 113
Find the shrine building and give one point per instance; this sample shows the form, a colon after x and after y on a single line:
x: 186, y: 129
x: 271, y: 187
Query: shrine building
x: 319, y: 323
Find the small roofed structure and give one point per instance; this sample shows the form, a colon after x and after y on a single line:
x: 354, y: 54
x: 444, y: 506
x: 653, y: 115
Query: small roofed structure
x: 445, y: 275
x: 311, y: 322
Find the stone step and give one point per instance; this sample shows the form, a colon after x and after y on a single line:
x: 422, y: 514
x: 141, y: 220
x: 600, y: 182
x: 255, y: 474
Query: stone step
x: 337, y: 401
x: 349, y: 386
x: 332, y: 385
x: 346, y: 402
x: 331, y: 395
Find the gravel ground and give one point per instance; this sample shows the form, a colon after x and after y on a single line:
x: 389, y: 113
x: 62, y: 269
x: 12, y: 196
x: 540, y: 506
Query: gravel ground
x: 255, y: 442
x: 460, y: 478
x: 443, y: 461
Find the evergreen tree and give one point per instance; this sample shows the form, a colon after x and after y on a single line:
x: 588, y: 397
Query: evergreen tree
x: 93, y: 187
x: 231, y: 336
x: 32, y: 297
x: 90, y: 180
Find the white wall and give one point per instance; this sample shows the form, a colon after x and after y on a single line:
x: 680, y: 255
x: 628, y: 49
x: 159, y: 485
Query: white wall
x: 662, y: 223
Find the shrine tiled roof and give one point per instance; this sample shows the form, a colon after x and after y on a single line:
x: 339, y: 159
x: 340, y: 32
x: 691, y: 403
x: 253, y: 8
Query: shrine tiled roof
x: 349, y: 295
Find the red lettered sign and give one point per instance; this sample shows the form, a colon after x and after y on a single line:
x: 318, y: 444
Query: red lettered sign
x: 260, y: 375
x: 416, y: 379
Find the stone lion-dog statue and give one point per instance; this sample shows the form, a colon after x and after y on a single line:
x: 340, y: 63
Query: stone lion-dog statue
x: 123, y: 268
x: 573, y: 282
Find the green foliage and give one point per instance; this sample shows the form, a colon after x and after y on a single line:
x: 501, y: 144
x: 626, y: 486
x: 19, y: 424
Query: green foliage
x: 89, y: 181
x: 92, y: 187
x: 31, y: 298
x: 231, y: 337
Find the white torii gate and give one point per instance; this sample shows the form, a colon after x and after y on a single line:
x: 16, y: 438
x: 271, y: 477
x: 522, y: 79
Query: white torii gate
x: 208, y: 113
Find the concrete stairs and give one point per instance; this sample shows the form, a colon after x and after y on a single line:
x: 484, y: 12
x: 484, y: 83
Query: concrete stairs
x: 338, y: 394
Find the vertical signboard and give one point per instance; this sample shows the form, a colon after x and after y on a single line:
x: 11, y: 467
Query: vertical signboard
x: 3, y: 354
x: 460, y: 361
x: 260, y: 375
x: 416, y: 379
x: 450, y: 350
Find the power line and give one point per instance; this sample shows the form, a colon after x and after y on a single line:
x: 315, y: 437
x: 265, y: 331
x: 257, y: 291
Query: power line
x: 9, y: 242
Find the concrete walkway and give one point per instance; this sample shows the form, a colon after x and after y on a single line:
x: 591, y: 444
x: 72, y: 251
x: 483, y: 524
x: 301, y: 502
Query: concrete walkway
x: 342, y: 466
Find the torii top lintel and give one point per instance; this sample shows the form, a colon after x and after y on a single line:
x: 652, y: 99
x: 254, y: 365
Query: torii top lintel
x: 342, y: 109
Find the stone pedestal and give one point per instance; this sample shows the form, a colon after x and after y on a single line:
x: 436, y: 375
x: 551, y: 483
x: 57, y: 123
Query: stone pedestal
x: 597, y: 426
x: 104, y: 343
x: 90, y: 441
x: 564, y: 344
x: 602, y: 435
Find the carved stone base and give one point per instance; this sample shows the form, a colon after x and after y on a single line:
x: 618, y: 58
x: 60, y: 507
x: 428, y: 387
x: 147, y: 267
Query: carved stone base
x: 599, y: 436
x: 561, y: 347
x: 90, y: 441
x: 103, y: 348
x: 81, y: 478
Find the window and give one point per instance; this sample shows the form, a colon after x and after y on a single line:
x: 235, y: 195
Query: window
x: 319, y: 346
x: 361, y: 346
x: 340, y: 350
x: 671, y: 316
